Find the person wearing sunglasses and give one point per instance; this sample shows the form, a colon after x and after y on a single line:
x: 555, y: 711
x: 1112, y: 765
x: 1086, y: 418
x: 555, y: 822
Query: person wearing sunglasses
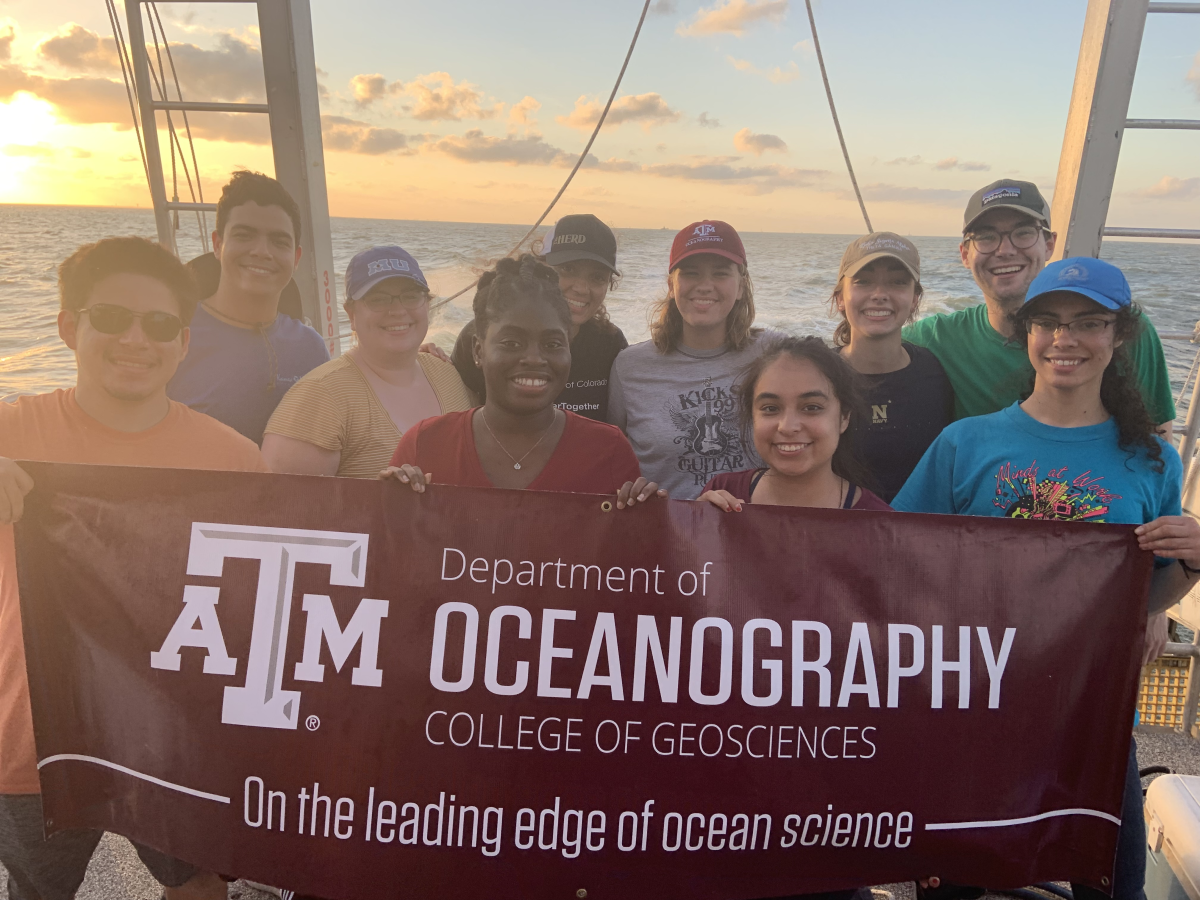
x: 1080, y: 447
x: 244, y: 353
x: 126, y: 303
x: 1006, y: 242
x: 347, y: 416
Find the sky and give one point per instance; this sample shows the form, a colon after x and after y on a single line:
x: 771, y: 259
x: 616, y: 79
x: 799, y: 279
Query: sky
x: 474, y: 111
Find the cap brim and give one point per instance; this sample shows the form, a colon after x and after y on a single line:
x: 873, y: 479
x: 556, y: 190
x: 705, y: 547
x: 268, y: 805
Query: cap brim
x: 1032, y: 213
x: 379, y: 279
x: 562, y: 257
x: 711, y: 251
x: 883, y: 254
x: 1106, y: 302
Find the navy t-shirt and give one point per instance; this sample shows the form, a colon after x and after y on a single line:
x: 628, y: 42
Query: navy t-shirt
x: 905, y: 411
x: 239, y: 375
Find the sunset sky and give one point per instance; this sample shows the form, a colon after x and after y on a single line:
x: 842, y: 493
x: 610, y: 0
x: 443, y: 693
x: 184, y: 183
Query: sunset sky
x: 472, y: 110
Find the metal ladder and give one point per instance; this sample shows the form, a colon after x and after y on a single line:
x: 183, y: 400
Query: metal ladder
x: 289, y: 71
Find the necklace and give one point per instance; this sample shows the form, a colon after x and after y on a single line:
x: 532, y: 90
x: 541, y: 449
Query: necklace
x: 217, y: 314
x: 843, y: 488
x: 517, y: 462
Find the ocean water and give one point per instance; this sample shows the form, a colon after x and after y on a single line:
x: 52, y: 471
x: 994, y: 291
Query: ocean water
x: 793, y: 275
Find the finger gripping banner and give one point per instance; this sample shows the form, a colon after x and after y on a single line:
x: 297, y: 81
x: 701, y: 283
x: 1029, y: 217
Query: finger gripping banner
x: 356, y: 691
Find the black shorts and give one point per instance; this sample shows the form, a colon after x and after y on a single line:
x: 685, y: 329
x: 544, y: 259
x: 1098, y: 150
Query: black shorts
x: 54, y: 867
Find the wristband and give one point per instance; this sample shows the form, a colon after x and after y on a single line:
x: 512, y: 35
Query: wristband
x: 1188, y: 568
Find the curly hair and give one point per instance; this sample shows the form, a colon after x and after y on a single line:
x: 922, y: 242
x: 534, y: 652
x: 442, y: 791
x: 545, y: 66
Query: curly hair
x: 846, y: 461
x: 666, y: 322
x: 1120, y: 394
x: 92, y: 263
x: 514, y: 280
x: 841, y: 334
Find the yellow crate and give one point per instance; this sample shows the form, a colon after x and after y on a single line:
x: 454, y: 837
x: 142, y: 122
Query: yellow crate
x: 1163, y: 692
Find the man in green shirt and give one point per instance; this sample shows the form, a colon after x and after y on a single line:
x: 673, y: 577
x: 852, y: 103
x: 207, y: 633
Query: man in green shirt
x: 1006, y: 242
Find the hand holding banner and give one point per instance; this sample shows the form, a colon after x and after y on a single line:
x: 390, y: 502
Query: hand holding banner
x: 359, y: 691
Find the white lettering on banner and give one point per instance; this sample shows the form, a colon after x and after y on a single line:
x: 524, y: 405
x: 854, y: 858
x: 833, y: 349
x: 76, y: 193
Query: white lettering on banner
x: 261, y: 700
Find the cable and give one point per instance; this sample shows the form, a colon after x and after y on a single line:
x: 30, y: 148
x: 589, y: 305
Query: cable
x: 836, y: 124
x: 582, y: 156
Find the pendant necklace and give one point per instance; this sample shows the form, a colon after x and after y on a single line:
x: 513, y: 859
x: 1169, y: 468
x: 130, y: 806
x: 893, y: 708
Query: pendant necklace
x: 517, y: 462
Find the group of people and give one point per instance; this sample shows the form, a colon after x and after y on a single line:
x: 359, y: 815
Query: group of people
x: 1050, y: 400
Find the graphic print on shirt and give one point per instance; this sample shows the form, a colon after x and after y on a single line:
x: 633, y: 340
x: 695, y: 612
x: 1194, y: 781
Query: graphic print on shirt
x: 708, y: 438
x: 1024, y: 494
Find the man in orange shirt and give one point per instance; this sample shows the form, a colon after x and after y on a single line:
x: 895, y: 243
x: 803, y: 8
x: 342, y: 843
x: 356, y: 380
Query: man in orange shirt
x: 126, y: 303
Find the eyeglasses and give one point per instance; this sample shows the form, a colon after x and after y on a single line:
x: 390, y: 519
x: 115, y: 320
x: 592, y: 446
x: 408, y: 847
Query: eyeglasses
x: 988, y: 240
x: 108, y: 318
x: 380, y: 301
x: 1079, y: 327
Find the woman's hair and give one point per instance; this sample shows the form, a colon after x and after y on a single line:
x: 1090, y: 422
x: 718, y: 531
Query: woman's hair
x: 841, y: 334
x: 666, y: 323
x: 1119, y: 391
x: 846, y: 390
x: 511, y: 281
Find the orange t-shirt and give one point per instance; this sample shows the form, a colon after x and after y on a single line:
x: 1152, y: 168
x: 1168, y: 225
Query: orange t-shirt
x: 53, y: 428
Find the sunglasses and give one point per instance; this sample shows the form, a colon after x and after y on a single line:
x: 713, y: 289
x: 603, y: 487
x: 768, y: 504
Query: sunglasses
x: 108, y: 318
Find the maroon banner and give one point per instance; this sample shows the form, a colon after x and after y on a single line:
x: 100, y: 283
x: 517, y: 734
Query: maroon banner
x: 349, y: 689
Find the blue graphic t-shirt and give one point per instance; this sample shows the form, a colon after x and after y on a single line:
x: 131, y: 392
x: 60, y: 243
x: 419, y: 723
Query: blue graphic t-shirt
x: 1009, y: 464
x: 239, y: 375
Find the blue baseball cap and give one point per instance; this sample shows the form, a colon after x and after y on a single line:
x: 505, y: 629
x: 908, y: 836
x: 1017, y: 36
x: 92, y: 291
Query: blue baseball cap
x: 377, y: 264
x: 1091, y: 278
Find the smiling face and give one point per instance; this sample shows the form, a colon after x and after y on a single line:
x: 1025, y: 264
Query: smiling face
x: 392, y: 318
x: 1004, y: 276
x: 797, y: 418
x: 1070, y: 359
x: 525, y: 356
x: 258, y: 250
x: 129, y: 367
x: 584, y: 283
x: 878, y: 299
x: 705, y: 288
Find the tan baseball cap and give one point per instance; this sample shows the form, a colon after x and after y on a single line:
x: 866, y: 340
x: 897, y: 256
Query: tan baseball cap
x: 879, y: 244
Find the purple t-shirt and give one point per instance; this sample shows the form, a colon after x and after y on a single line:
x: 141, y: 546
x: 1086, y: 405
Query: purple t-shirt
x: 239, y: 375
x: 740, y: 484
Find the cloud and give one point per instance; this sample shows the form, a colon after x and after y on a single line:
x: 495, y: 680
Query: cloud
x: 8, y: 34
x: 368, y: 88
x: 705, y: 122
x: 734, y: 17
x: 34, y: 150
x: 663, y: 7
x: 1193, y: 75
x: 891, y: 193
x: 951, y: 163
x: 522, y: 113
x: 437, y: 98
x: 648, y: 109
x: 528, y: 150
x: 83, y: 100
x: 1171, y: 188
x: 80, y: 50
x: 353, y: 136
x: 231, y: 72
x: 805, y: 46
x: 748, y: 142
x: 760, y: 179
x: 777, y: 75
x: 905, y: 161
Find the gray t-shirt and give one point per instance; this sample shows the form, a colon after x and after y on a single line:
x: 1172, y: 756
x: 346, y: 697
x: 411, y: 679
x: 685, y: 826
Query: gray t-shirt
x: 679, y: 412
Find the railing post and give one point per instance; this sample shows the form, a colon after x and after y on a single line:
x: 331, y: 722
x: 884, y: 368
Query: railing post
x: 141, y: 78
x: 1187, y: 446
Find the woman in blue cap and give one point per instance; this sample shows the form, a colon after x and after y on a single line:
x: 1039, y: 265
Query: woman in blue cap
x: 1080, y: 447
x: 346, y: 416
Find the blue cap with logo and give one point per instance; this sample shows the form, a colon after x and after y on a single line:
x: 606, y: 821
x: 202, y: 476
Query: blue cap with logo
x: 377, y: 264
x: 1091, y: 278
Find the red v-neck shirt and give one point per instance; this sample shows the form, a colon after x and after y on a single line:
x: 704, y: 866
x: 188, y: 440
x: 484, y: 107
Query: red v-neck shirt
x: 591, y: 457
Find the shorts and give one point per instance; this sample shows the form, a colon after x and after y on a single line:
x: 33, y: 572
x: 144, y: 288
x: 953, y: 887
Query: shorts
x: 53, y: 868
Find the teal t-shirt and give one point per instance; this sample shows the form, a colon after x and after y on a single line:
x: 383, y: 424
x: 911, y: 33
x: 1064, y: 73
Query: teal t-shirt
x: 988, y: 373
x: 1010, y: 465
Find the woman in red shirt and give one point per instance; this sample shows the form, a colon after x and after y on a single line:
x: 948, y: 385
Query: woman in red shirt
x: 518, y: 439
x: 795, y: 403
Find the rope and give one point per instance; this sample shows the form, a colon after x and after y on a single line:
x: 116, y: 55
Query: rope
x: 582, y: 156
x: 127, y: 77
x: 836, y: 124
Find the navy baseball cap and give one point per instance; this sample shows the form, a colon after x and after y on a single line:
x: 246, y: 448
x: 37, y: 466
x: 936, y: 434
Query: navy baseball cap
x: 581, y: 237
x: 1091, y: 278
x: 377, y: 264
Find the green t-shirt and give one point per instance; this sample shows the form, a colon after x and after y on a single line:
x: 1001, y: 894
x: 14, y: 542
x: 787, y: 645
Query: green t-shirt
x: 989, y: 374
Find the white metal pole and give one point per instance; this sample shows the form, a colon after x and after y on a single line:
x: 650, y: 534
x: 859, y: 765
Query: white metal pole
x: 141, y: 77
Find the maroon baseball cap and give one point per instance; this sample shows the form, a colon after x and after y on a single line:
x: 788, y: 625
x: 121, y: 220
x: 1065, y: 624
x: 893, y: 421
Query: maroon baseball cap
x: 709, y: 236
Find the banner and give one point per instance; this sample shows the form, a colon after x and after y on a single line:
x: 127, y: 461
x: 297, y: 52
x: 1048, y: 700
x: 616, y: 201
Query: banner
x: 356, y: 691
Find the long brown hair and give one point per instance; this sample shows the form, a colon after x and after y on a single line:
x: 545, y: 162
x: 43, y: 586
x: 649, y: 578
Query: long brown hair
x: 666, y: 322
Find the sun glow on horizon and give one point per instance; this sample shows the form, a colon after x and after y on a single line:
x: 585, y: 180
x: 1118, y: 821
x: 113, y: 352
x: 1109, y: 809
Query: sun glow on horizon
x: 27, y: 121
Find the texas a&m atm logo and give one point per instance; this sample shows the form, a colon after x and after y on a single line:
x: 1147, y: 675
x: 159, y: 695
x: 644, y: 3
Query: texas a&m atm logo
x: 261, y: 700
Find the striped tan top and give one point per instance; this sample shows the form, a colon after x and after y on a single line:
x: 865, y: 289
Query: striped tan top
x: 334, y: 407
